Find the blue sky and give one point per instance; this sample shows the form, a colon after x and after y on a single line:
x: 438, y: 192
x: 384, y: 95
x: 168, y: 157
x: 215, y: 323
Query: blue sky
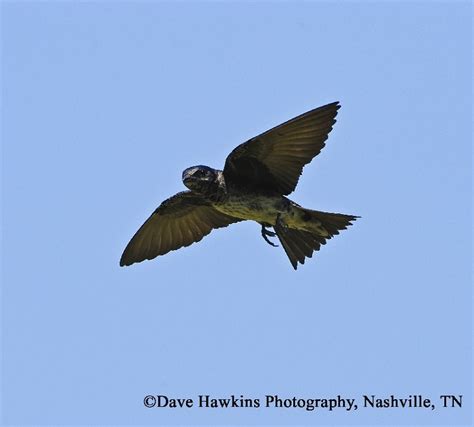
x: 105, y: 103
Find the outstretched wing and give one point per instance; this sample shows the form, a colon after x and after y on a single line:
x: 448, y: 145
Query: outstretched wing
x: 273, y: 161
x: 179, y: 221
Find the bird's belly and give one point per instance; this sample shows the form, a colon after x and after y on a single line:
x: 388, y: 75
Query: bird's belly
x: 254, y: 207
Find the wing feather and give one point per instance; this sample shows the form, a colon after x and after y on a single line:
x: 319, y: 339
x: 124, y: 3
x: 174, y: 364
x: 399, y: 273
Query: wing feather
x: 273, y: 161
x: 179, y: 221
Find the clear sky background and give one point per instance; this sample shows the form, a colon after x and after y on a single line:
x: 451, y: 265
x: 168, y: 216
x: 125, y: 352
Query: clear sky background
x: 105, y: 103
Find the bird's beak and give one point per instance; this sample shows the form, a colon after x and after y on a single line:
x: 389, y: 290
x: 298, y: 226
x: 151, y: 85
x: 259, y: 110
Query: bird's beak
x: 188, y: 178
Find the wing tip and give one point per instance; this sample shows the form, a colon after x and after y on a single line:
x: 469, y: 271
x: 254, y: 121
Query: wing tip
x: 125, y: 263
x: 335, y: 104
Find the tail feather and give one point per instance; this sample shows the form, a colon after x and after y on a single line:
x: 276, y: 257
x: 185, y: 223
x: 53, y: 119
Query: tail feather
x: 300, y: 244
x: 332, y: 222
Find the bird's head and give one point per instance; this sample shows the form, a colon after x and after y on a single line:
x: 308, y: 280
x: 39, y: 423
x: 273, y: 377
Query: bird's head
x: 199, y: 178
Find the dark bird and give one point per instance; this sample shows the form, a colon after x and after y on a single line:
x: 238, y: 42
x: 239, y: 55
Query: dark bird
x: 257, y: 176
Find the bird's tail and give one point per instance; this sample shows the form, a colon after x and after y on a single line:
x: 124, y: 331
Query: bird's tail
x: 314, y: 228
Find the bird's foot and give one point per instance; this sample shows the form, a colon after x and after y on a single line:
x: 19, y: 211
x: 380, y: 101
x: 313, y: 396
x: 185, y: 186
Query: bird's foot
x: 267, y: 233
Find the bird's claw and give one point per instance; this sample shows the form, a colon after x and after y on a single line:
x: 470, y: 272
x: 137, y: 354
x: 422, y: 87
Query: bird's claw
x: 267, y: 233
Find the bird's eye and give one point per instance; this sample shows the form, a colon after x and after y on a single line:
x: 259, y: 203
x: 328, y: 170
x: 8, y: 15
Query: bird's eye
x: 200, y: 173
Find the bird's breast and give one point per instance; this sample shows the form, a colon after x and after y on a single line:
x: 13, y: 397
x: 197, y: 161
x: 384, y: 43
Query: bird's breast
x: 253, y: 207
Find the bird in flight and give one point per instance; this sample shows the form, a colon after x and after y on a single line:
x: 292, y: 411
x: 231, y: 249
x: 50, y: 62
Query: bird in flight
x: 257, y: 176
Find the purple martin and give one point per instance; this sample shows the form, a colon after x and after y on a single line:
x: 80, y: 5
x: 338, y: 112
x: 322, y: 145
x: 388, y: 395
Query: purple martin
x: 257, y: 176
